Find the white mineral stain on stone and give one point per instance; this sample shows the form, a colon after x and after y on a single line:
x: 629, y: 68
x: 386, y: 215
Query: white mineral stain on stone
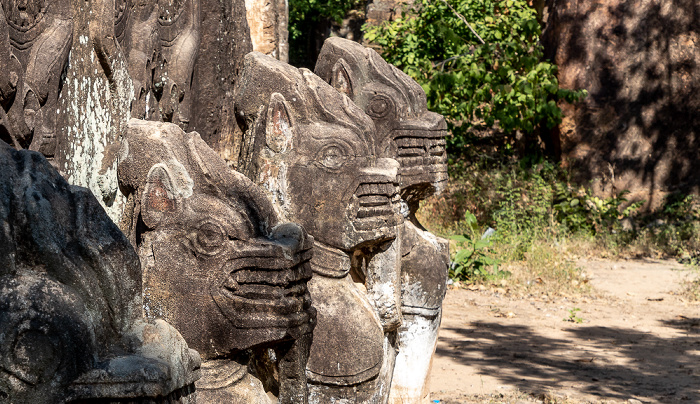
x: 417, y: 339
x: 273, y: 178
x: 94, y: 120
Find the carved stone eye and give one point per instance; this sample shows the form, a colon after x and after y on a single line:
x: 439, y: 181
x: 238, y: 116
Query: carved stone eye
x: 209, y: 238
x: 379, y: 106
x: 332, y: 157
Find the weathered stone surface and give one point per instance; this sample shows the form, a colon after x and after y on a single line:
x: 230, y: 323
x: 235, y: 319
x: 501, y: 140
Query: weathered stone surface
x: 267, y: 20
x: 217, y: 262
x: 224, y: 41
x: 638, y: 128
x: 94, y: 104
x: 70, y: 300
x: 407, y: 131
x: 314, y: 151
x: 35, y: 37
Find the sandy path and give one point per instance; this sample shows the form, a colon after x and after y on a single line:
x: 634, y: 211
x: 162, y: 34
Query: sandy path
x: 637, y: 341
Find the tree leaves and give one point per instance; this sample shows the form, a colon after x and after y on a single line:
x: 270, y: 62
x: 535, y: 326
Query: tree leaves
x: 503, y: 81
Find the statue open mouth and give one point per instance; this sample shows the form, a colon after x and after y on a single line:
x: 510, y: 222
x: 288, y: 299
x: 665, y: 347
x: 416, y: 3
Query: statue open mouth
x: 271, y: 294
x: 421, y: 152
x: 377, y: 204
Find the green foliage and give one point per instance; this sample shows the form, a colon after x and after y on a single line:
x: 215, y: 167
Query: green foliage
x: 674, y: 230
x: 573, y: 317
x: 503, y: 81
x: 582, y: 212
x: 473, y: 260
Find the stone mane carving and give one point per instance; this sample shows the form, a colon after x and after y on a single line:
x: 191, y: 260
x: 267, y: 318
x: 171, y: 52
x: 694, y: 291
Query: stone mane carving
x: 219, y: 265
x: 70, y: 300
x: 314, y: 152
x: 35, y: 39
x: 407, y: 131
x: 161, y: 42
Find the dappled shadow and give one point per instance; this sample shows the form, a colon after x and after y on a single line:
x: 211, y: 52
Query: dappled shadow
x: 689, y: 325
x: 608, y: 362
x: 638, y: 128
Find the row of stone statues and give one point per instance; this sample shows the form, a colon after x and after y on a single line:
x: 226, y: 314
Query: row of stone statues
x: 302, y: 275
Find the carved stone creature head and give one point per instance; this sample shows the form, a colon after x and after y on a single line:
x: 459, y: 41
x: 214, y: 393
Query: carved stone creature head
x: 406, y: 130
x: 218, y: 264
x: 70, y: 300
x: 315, y: 152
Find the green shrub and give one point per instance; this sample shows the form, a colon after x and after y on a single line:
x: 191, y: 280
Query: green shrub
x: 473, y: 260
x: 503, y: 81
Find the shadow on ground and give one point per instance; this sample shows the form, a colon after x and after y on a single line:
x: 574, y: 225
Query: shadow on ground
x: 603, y: 362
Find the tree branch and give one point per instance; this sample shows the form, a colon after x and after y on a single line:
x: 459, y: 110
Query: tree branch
x: 461, y: 17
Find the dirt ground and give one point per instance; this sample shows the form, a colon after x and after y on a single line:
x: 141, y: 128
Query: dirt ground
x: 638, y: 341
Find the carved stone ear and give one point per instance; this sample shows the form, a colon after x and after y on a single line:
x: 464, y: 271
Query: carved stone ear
x: 159, y: 198
x: 341, y: 79
x: 279, y: 124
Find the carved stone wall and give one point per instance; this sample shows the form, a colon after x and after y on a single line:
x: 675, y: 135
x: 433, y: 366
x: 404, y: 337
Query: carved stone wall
x: 161, y: 43
x: 35, y: 37
x: 314, y: 151
x: 408, y: 132
x: 70, y: 300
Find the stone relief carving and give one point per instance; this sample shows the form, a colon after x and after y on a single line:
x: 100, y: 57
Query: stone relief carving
x: 35, y: 39
x: 407, y: 131
x: 161, y: 42
x: 70, y: 300
x: 314, y: 151
x: 219, y: 265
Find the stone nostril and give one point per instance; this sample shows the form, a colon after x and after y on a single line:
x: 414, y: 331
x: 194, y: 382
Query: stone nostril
x: 289, y: 234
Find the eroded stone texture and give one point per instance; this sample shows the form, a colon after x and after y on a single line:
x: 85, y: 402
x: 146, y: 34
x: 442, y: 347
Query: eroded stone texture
x: 70, y: 300
x: 224, y: 41
x: 161, y: 41
x: 35, y: 38
x: 314, y: 151
x: 407, y: 131
x: 267, y: 20
x: 218, y: 264
x: 93, y: 105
